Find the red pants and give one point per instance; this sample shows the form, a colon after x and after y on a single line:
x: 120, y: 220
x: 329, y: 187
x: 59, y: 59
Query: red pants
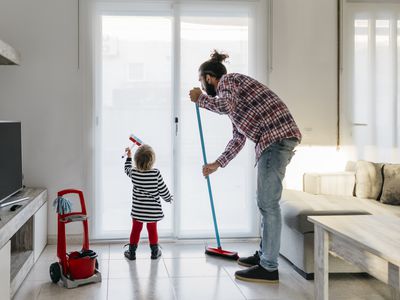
x: 137, y: 228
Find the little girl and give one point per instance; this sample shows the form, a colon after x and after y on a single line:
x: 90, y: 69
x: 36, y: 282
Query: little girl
x: 148, y: 186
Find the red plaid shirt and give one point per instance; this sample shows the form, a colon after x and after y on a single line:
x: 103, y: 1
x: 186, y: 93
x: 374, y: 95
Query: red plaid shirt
x: 255, y: 111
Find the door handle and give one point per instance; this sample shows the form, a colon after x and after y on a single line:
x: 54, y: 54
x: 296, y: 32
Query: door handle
x: 176, y: 126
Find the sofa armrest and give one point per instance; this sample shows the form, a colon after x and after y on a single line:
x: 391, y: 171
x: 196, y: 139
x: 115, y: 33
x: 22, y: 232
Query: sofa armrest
x: 338, y: 183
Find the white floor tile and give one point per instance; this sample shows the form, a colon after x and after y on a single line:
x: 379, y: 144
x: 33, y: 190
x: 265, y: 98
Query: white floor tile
x: 29, y: 290
x: 93, y: 291
x: 185, y: 272
x: 104, y: 267
x: 140, y: 268
x: 46, y: 290
x: 40, y: 271
x: 365, y: 297
x: 194, y: 267
x: 357, y: 286
x: 218, y: 288
x: 49, y: 254
x: 283, y: 290
x: 142, y: 288
x: 176, y: 250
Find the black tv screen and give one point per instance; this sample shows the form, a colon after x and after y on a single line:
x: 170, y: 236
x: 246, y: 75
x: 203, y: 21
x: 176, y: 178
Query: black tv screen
x: 10, y: 159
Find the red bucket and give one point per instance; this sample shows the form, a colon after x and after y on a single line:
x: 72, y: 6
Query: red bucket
x: 81, y: 267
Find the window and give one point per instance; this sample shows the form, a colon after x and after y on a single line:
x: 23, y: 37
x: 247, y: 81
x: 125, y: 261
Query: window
x: 135, y: 71
x: 371, y: 75
x: 144, y: 70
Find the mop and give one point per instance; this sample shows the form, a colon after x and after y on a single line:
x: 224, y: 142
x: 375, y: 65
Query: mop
x: 209, y: 250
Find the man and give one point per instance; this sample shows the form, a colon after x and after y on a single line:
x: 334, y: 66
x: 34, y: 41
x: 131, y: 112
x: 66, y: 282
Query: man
x: 261, y: 116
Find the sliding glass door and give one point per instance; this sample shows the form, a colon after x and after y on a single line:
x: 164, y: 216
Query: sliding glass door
x: 134, y: 85
x: 147, y: 57
x: 201, y: 30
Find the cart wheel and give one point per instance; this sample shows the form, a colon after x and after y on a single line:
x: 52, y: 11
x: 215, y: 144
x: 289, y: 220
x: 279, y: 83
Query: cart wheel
x: 96, y: 264
x: 55, y: 272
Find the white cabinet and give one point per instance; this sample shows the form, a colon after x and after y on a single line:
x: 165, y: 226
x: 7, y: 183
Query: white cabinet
x: 5, y: 257
x: 39, y: 231
x: 23, y: 236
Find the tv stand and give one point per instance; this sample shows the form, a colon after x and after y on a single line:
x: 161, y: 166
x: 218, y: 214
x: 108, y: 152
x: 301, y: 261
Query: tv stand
x: 13, y: 200
x: 23, y: 236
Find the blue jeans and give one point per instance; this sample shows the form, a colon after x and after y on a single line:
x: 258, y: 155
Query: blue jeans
x: 270, y: 173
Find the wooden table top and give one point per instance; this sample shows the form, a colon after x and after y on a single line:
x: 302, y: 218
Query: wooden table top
x: 377, y: 234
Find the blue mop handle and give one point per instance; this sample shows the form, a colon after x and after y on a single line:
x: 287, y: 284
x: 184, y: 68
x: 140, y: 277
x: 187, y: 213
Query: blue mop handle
x: 203, y: 148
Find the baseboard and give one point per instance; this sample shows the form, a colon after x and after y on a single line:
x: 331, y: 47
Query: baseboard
x: 77, y: 239
x: 307, y: 276
x: 310, y: 276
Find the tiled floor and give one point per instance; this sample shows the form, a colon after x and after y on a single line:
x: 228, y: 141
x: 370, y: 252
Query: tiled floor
x: 184, y: 272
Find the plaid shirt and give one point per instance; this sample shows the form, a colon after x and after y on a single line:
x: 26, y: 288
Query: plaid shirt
x: 255, y: 111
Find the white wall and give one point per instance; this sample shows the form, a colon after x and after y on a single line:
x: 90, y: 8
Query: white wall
x: 304, y: 73
x: 304, y: 65
x: 45, y: 92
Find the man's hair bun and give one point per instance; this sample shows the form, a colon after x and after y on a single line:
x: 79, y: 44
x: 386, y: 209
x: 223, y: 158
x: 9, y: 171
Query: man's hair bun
x: 218, y: 57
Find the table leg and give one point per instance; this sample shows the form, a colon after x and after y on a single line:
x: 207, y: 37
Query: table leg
x: 394, y: 281
x: 321, y: 247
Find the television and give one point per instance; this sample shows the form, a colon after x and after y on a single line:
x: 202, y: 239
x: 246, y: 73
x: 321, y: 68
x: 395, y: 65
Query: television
x: 10, y: 160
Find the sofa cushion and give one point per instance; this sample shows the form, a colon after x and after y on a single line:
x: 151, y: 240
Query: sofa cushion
x: 369, y: 179
x: 338, y: 183
x: 391, y: 184
x: 297, y: 206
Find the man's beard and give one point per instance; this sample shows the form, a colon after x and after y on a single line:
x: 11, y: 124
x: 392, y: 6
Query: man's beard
x: 210, y: 89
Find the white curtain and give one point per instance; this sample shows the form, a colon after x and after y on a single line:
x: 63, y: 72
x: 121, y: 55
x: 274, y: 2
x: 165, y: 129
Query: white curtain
x: 146, y: 57
x: 371, y: 66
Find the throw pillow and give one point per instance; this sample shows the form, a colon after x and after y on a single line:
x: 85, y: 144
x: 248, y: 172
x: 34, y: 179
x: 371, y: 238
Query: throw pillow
x: 368, y: 179
x: 391, y: 184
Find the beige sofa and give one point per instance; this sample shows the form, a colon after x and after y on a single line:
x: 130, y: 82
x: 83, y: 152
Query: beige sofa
x: 328, y: 194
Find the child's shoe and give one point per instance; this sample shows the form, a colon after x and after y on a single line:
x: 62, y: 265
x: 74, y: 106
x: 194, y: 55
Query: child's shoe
x: 131, y: 252
x: 155, y: 251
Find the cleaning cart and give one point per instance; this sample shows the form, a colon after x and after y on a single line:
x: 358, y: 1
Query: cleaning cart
x: 77, y: 267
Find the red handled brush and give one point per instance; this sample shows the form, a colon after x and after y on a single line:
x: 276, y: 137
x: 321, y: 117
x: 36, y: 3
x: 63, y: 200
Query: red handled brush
x: 209, y: 250
x: 135, y: 141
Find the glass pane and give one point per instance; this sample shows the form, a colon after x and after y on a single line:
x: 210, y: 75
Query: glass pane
x: 361, y: 77
x: 398, y: 83
x: 135, y: 98
x: 232, y: 186
x: 384, y: 90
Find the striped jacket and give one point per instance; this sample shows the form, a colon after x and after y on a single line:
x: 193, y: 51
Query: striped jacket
x: 148, y: 186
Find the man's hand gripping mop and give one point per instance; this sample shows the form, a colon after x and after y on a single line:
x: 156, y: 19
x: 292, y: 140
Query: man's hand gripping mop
x: 209, y: 250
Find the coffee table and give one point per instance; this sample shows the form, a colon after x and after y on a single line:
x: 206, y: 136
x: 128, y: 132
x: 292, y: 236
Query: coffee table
x: 370, y: 242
